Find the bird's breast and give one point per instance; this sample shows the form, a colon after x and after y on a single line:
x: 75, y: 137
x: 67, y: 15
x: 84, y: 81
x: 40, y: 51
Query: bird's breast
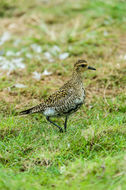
x: 80, y: 96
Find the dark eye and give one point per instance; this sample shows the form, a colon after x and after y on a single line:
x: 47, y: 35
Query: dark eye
x: 83, y: 65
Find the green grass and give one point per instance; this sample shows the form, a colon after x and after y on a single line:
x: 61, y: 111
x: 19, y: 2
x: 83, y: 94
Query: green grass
x: 92, y: 154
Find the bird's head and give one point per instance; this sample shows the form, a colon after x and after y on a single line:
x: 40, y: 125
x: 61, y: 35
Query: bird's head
x: 81, y: 66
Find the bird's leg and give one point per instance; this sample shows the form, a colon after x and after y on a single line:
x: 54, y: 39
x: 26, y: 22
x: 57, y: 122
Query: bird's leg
x: 65, y: 124
x: 48, y: 119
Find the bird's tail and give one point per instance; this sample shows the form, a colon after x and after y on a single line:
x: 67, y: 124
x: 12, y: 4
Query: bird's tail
x: 36, y: 109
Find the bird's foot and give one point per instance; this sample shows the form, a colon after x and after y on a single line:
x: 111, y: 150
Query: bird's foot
x: 61, y: 130
x: 65, y: 130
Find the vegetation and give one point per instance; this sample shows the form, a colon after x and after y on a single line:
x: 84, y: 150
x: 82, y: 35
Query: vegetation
x: 92, y: 154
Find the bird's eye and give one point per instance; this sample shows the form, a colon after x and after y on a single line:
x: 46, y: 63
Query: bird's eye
x: 83, y: 65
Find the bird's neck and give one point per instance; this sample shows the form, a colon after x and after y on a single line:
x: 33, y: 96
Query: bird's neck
x: 77, y: 76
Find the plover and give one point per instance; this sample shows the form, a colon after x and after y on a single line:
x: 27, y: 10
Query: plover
x: 67, y: 100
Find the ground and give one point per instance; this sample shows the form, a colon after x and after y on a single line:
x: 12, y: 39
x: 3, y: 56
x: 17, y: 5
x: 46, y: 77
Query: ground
x: 49, y: 36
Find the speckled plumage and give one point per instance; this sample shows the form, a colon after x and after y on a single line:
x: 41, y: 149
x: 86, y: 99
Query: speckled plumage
x: 67, y: 99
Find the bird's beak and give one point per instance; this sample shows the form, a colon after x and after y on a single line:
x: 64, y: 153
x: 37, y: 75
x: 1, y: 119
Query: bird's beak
x: 91, y: 68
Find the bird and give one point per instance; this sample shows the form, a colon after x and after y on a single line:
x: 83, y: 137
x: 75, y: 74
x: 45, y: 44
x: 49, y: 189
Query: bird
x: 65, y: 101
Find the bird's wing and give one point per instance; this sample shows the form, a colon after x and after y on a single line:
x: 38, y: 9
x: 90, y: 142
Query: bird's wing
x: 59, y: 97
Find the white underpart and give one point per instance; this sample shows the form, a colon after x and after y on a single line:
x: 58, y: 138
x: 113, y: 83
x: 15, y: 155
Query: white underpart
x: 81, y: 97
x: 49, y: 112
x: 79, y: 100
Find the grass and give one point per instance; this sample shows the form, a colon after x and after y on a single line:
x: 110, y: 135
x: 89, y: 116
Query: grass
x: 92, y: 154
